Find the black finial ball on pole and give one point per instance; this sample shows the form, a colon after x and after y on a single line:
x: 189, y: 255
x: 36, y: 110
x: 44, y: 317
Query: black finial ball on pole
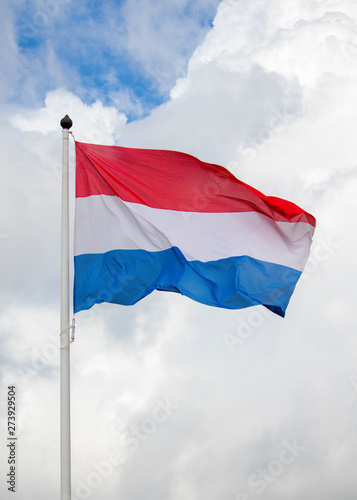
x: 66, y: 122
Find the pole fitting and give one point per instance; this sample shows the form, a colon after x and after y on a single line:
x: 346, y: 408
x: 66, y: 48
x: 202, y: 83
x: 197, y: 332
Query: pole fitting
x: 66, y: 122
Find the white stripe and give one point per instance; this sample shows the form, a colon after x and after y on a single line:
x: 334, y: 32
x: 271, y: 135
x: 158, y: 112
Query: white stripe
x: 105, y: 223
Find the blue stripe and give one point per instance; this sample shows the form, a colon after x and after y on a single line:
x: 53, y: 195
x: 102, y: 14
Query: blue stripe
x: 126, y: 276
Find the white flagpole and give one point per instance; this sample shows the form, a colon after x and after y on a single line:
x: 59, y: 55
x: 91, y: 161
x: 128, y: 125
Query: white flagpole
x: 66, y: 124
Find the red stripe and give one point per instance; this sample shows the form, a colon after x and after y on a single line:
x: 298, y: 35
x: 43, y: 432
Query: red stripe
x: 173, y: 181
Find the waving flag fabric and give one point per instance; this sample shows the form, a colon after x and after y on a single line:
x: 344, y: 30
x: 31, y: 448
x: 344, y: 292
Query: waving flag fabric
x: 163, y: 220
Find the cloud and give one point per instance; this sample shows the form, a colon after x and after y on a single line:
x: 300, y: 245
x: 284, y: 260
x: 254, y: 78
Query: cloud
x: 270, y: 93
x: 95, y: 123
x: 107, y: 51
x: 180, y: 24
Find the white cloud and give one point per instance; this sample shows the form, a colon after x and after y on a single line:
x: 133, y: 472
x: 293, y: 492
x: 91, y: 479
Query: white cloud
x: 95, y: 123
x: 158, y: 34
x: 271, y: 94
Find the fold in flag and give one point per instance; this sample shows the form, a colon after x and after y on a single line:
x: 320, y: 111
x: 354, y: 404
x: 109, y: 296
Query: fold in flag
x: 163, y: 220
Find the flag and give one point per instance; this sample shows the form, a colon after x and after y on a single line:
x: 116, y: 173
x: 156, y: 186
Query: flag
x: 163, y: 220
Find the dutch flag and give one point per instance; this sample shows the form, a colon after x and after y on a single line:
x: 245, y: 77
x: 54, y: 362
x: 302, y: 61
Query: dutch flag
x: 163, y: 220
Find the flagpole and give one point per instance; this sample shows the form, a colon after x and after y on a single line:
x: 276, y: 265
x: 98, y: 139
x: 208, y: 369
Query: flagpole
x: 66, y: 124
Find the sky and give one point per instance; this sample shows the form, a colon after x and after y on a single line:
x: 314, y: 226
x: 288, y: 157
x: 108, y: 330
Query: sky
x: 172, y: 399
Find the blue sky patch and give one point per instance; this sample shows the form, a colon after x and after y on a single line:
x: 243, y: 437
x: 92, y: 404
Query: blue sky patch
x: 108, y: 49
